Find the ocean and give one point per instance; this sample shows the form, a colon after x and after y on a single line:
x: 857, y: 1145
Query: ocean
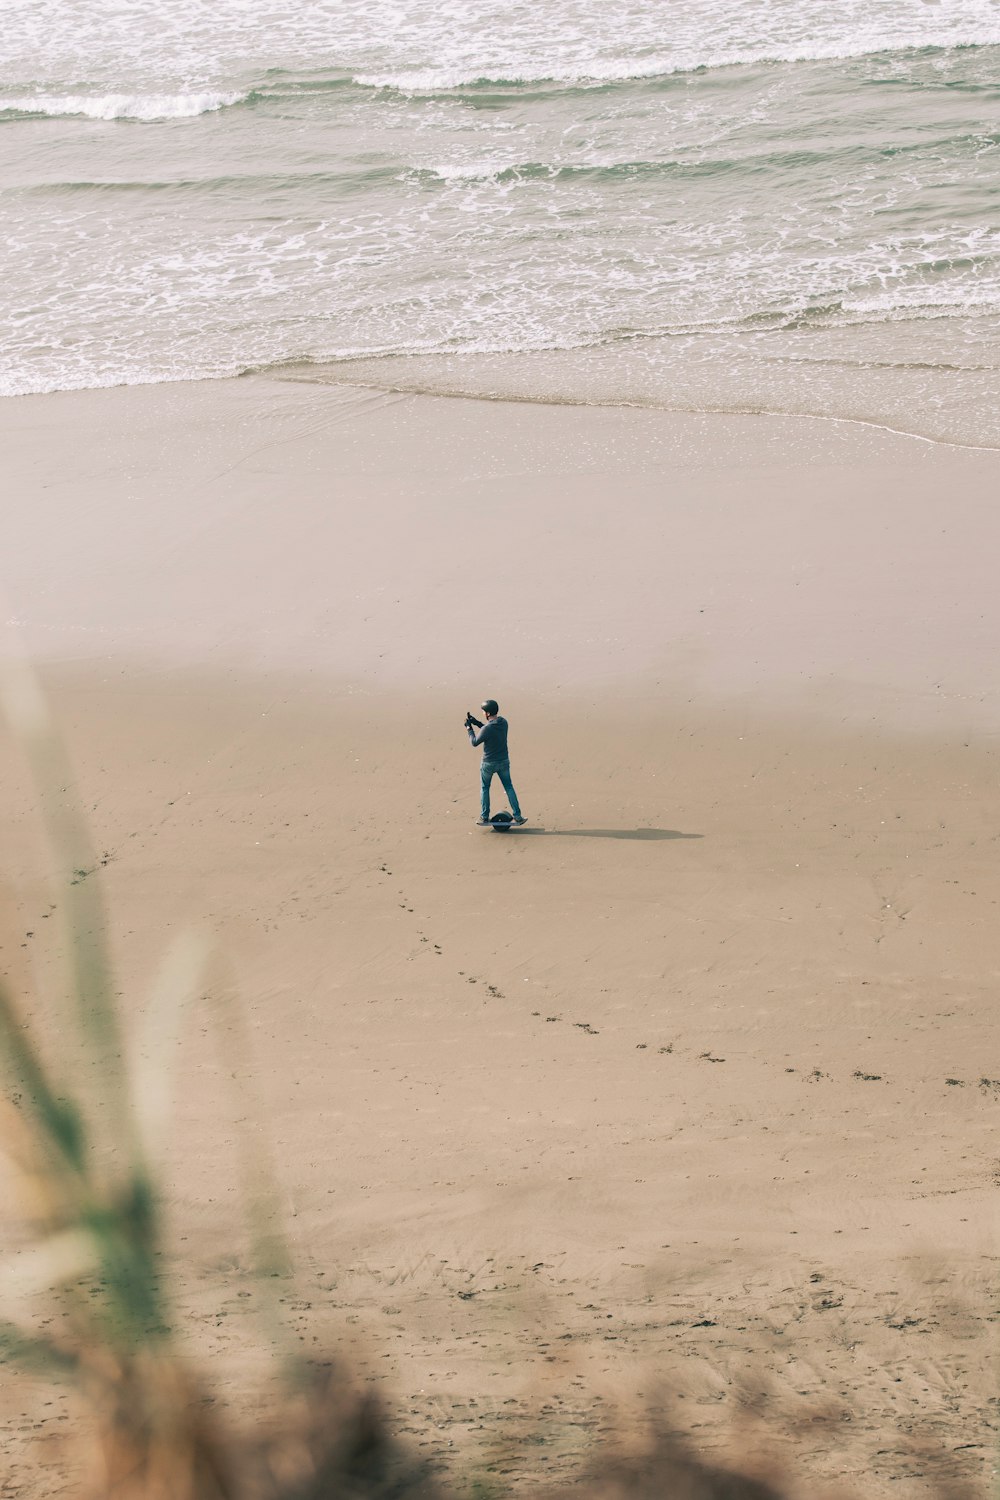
x: 752, y: 205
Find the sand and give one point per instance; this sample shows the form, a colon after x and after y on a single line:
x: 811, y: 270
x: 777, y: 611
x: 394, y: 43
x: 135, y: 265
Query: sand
x: 687, y: 1092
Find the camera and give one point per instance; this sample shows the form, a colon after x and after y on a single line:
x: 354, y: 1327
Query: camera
x: 472, y: 723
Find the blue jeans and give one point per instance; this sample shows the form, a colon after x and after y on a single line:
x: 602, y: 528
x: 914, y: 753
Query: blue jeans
x: 499, y: 768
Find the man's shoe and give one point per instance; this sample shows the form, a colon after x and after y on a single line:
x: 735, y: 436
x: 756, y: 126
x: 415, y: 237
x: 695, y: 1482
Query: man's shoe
x: 482, y: 822
x: 519, y: 821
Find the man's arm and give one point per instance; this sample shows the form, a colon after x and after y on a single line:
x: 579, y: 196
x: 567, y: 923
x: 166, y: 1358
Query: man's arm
x: 476, y: 736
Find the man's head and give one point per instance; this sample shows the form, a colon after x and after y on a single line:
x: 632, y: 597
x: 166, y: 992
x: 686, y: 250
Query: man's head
x: 490, y: 708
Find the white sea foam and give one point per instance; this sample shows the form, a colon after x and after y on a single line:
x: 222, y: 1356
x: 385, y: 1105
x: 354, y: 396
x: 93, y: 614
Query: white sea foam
x: 596, y: 72
x: 441, y: 44
x: 472, y: 171
x: 805, y: 210
x: 119, y: 106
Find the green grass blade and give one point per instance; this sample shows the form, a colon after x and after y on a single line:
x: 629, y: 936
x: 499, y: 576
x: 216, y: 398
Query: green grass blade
x: 59, y: 1120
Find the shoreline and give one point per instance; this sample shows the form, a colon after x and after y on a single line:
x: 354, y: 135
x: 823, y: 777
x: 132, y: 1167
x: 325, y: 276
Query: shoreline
x: 274, y: 373
x: 321, y: 372
x: 350, y: 374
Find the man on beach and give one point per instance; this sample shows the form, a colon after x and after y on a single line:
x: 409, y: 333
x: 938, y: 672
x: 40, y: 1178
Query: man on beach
x: 493, y: 737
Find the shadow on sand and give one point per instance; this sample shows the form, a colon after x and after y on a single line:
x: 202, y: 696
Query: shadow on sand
x: 648, y: 834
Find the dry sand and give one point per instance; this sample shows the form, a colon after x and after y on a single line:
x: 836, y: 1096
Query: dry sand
x: 691, y: 1087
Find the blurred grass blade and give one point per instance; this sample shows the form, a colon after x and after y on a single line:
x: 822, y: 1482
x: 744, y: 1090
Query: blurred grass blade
x: 178, y: 983
x: 30, y: 722
x: 30, y: 1350
x: 262, y: 1197
x: 62, y: 1131
x: 61, y: 1258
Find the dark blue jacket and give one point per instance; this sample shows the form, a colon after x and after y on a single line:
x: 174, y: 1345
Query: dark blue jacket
x: 493, y: 738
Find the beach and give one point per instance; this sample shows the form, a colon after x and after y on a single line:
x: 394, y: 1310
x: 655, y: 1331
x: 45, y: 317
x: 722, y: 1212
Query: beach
x: 681, y: 1097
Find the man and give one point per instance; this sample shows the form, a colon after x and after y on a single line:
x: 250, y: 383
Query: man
x: 493, y: 737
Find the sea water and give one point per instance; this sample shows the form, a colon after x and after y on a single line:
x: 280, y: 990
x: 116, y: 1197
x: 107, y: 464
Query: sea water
x: 725, y: 204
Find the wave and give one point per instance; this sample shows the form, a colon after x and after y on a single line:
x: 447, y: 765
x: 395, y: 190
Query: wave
x: 249, y: 184
x: 595, y: 75
x: 118, y: 106
x: 505, y: 172
x: 661, y: 70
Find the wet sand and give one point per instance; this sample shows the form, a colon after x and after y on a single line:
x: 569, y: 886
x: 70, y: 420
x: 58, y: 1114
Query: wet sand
x: 690, y: 1087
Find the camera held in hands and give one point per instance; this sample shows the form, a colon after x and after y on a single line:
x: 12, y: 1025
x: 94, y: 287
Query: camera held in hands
x: 472, y: 723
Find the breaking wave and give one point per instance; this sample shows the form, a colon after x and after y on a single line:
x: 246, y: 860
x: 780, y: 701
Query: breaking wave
x: 597, y: 74
x: 118, y: 106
